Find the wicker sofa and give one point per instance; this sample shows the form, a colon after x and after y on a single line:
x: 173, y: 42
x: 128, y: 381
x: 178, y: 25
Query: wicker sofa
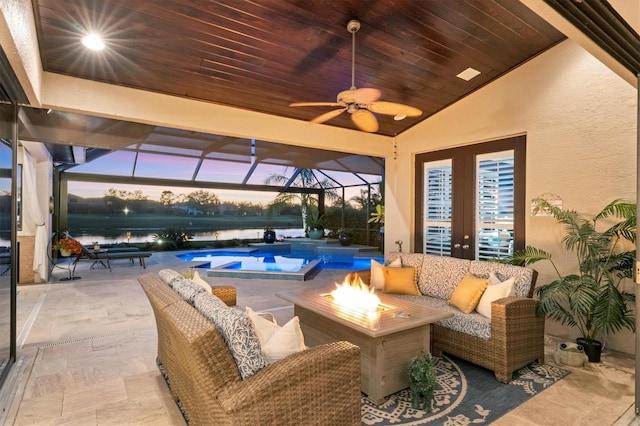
x: 509, y: 340
x: 317, y: 386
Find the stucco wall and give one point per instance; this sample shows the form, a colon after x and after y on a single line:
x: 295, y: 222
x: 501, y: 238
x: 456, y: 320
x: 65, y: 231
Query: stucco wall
x: 580, y: 122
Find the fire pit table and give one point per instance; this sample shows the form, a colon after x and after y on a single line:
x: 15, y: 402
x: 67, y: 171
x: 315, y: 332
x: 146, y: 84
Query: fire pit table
x: 389, y: 337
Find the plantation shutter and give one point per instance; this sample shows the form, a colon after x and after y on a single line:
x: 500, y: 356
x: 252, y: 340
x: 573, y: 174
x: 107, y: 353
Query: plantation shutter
x: 495, y: 204
x: 437, y: 207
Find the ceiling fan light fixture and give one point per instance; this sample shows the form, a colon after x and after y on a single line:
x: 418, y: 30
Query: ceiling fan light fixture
x: 93, y: 41
x: 399, y: 117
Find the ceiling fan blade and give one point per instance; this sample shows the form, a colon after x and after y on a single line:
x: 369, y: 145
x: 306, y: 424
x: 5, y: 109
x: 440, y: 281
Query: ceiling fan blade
x: 392, y: 108
x: 365, y: 120
x: 305, y: 104
x: 328, y: 115
x: 359, y: 96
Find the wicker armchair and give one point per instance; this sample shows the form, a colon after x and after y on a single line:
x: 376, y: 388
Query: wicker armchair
x: 318, y: 386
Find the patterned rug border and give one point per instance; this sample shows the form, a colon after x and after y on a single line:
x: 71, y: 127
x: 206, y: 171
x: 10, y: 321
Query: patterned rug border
x: 465, y: 394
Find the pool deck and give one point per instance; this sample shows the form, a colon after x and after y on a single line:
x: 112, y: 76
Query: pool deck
x: 324, y: 247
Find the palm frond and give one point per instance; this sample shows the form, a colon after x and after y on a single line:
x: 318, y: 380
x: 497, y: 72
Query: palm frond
x: 525, y: 257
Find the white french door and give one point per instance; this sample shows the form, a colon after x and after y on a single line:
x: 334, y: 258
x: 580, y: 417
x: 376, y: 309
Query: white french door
x: 470, y: 200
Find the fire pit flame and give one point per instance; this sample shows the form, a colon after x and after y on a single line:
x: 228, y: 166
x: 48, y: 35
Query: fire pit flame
x: 353, y: 293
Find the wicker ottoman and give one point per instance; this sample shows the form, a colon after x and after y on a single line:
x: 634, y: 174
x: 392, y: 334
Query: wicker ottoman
x: 226, y: 293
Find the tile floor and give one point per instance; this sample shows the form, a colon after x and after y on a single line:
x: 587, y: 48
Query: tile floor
x: 86, y: 356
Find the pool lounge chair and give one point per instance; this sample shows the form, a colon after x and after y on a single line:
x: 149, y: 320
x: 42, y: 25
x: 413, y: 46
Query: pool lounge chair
x: 107, y: 256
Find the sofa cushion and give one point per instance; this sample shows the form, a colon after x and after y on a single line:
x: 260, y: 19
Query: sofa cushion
x: 439, y: 276
x: 412, y: 259
x: 496, y: 290
x: 400, y: 280
x: 238, y: 333
x: 206, y: 303
x: 168, y: 276
x: 468, y: 293
x: 377, y: 276
x: 187, y: 289
x: 473, y: 324
x: 522, y: 276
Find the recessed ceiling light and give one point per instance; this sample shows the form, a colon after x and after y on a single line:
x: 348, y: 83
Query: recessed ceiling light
x: 93, y: 42
x: 468, y: 74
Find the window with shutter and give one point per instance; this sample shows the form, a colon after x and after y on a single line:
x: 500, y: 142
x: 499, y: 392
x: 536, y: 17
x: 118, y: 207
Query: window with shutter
x: 494, y: 204
x: 437, y: 208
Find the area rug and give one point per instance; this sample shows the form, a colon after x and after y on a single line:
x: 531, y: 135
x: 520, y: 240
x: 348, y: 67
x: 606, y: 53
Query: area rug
x: 465, y: 394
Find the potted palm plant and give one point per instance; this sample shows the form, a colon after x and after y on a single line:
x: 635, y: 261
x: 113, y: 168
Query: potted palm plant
x: 590, y: 300
x: 315, y: 224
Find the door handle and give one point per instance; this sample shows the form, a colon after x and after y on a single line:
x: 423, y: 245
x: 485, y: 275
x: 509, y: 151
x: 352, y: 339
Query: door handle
x: 456, y: 246
x: 465, y: 246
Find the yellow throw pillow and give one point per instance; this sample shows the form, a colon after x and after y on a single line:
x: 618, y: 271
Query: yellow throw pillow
x: 400, y: 280
x: 377, y: 277
x: 468, y: 293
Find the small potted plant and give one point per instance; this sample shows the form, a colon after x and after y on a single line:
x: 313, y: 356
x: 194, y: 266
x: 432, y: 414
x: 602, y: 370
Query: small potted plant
x: 345, y: 237
x: 269, y: 235
x: 422, y: 382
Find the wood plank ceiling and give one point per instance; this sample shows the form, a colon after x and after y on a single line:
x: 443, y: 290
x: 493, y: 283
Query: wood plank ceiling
x: 262, y: 55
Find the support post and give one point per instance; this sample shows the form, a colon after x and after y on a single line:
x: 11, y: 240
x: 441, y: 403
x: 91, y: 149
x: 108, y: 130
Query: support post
x: 637, y: 276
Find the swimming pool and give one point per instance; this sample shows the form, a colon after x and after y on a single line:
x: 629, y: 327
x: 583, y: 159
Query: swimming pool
x: 283, y: 264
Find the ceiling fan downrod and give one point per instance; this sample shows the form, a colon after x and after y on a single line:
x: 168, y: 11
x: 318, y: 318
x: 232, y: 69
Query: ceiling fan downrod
x: 353, y: 26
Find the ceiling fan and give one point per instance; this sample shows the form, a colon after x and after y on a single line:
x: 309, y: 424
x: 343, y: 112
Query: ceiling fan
x: 361, y: 103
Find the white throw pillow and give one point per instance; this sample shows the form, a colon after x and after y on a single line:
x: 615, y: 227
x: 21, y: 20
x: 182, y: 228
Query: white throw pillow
x: 202, y: 283
x: 277, y: 342
x: 264, y: 328
x: 377, y: 273
x: 496, y: 290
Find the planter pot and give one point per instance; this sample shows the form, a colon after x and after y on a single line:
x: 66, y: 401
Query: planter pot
x: 269, y: 237
x: 316, y: 234
x: 345, y: 240
x: 65, y: 252
x: 592, y: 349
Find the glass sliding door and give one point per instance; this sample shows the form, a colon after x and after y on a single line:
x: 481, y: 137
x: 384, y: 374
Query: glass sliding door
x: 7, y: 239
x: 470, y: 200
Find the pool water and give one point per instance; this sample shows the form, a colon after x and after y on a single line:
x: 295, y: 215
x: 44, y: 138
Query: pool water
x: 258, y: 260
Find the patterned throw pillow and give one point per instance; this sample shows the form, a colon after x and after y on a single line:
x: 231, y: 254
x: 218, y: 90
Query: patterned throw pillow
x: 237, y: 332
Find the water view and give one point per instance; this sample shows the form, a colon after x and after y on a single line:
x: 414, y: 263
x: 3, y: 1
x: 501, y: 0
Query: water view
x: 144, y: 235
